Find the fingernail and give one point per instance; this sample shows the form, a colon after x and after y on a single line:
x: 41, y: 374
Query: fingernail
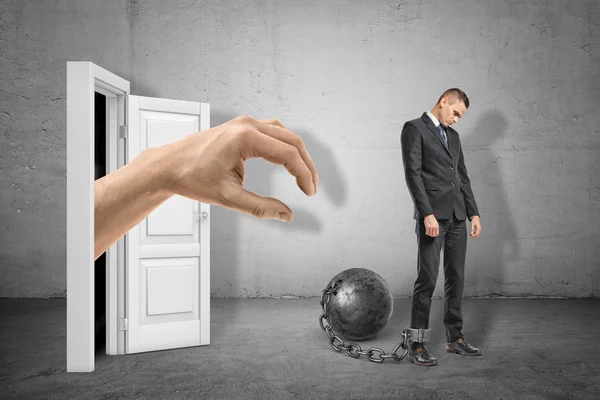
x: 283, y: 217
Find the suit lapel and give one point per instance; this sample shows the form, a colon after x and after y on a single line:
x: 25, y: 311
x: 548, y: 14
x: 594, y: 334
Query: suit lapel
x: 436, y: 133
x: 454, y: 142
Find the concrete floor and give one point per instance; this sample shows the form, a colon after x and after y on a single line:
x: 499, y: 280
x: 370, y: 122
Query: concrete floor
x: 275, y: 349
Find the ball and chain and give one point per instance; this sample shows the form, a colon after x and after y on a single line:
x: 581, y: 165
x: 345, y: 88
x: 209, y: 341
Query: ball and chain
x: 374, y: 354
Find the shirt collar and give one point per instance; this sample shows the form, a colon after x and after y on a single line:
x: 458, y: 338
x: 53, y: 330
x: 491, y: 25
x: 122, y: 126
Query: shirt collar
x: 434, y: 119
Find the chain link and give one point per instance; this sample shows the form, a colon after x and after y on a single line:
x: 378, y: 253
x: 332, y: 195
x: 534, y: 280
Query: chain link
x: 354, y: 350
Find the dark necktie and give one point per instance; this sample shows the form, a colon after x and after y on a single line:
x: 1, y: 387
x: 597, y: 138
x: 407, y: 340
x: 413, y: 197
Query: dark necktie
x: 443, y: 134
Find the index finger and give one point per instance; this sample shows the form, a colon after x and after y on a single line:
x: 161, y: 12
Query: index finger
x: 255, y: 144
x: 277, y: 130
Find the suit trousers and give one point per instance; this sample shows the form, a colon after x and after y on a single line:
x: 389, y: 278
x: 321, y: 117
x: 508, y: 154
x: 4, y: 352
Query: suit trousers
x: 453, y: 238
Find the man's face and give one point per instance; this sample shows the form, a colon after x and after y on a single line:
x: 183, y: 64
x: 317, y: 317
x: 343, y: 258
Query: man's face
x: 452, y: 110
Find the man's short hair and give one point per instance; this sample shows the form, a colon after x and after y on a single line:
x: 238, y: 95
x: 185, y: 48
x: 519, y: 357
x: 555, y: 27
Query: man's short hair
x: 456, y: 93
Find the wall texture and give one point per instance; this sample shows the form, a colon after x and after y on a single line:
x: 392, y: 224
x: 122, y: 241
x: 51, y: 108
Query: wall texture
x: 345, y: 75
x: 37, y: 39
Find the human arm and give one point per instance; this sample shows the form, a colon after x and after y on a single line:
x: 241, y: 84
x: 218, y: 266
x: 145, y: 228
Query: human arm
x: 467, y: 191
x: 126, y: 196
x: 410, y: 140
x: 206, y: 166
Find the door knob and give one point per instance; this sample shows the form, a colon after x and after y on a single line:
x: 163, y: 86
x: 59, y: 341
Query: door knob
x: 203, y: 215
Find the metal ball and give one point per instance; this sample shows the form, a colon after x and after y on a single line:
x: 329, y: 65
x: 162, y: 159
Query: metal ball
x: 361, y: 305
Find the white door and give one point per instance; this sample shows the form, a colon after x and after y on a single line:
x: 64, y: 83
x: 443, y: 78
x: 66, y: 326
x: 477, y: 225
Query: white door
x: 164, y: 276
x: 168, y: 253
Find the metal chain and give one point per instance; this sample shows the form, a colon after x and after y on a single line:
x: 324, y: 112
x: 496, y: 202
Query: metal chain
x: 354, y: 350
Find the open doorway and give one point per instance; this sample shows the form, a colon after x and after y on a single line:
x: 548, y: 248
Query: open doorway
x: 109, y: 292
x: 96, y: 114
x: 100, y: 163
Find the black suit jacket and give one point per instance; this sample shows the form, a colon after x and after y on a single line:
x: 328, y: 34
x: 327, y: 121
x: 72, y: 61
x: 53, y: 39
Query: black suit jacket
x: 436, y: 176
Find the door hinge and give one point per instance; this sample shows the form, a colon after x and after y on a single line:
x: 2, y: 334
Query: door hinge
x: 123, y: 324
x: 123, y: 132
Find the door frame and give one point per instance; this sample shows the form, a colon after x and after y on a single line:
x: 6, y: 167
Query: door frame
x: 116, y: 157
x: 83, y: 80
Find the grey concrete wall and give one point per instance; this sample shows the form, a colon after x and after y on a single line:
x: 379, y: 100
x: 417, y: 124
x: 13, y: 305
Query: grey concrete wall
x: 345, y: 75
x: 36, y: 41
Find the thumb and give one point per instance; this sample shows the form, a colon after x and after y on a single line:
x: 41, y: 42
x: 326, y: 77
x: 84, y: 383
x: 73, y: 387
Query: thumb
x: 242, y: 200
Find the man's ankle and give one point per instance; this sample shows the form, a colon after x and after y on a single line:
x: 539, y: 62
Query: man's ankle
x: 415, y: 345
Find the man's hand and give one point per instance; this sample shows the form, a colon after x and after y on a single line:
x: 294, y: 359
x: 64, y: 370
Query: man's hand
x: 432, y: 227
x: 475, y: 226
x: 208, y: 166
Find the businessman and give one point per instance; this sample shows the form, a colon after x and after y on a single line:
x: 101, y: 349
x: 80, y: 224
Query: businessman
x: 440, y: 188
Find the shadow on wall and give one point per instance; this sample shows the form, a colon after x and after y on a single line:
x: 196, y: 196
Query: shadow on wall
x: 497, y: 249
x: 225, y: 226
x: 331, y: 182
x: 227, y: 252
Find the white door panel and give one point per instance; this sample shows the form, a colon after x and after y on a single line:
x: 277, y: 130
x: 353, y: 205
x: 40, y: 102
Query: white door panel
x: 168, y: 288
x: 173, y: 217
x: 175, y: 221
x: 177, y: 216
x: 172, y: 287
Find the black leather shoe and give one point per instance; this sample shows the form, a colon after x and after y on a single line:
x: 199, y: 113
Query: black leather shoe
x: 419, y: 355
x: 460, y: 346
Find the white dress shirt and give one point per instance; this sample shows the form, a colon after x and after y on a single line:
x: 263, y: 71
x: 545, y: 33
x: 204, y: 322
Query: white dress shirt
x: 437, y: 124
